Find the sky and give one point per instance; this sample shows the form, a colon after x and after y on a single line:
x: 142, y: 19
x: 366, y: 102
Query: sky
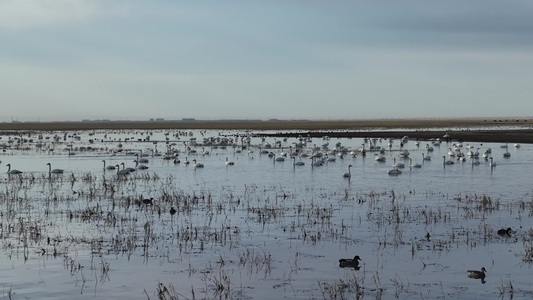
x: 292, y: 59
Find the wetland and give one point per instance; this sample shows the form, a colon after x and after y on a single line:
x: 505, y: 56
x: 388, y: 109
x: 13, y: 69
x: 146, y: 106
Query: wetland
x: 269, y: 215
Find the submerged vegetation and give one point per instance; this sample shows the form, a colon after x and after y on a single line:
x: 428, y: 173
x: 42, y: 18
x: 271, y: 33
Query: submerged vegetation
x: 79, y: 215
x: 261, y: 240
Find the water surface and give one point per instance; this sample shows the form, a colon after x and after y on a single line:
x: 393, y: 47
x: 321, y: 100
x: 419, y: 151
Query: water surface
x: 259, y: 229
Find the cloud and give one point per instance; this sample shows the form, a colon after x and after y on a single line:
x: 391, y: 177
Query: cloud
x: 17, y: 14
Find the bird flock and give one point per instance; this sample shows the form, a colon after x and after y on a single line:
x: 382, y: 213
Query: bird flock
x: 300, y: 151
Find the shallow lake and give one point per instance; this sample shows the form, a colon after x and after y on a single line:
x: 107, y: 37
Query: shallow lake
x: 260, y: 228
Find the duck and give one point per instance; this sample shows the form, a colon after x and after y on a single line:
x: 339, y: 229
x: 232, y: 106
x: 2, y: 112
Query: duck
x: 350, y: 263
x: 477, y: 274
x: 147, y: 201
x: 228, y: 162
x: 505, y: 232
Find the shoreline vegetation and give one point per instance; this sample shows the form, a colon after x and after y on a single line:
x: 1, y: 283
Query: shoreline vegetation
x: 509, y: 130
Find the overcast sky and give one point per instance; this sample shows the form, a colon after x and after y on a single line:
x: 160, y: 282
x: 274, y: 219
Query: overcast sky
x: 290, y: 59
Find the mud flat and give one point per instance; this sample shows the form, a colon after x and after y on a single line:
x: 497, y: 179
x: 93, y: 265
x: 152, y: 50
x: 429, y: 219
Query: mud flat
x: 511, y: 130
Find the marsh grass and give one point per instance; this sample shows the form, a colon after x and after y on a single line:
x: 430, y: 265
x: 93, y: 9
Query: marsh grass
x: 81, y: 214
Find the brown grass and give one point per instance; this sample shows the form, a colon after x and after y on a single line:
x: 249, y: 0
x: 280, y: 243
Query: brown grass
x: 264, y: 125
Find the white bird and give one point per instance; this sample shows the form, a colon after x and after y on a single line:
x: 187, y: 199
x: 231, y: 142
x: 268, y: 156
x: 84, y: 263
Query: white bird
x: 139, y: 167
x: 297, y: 163
x: 123, y: 171
x: 492, y: 163
x: 142, y: 160
x: 417, y: 165
x: 476, y: 153
x: 506, y: 154
x: 128, y: 169
x: 197, y: 164
x: 451, y: 153
x: 379, y: 158
x: 54, y: 171
x: 316, y: 162
x: 446, y: 162
x: 394, y: 171
x: 349, y: 173
x: 397, y: 164
x: 11, y: 172
x: 108, y: 167
x: 278, y: 158
x: 426, y: 157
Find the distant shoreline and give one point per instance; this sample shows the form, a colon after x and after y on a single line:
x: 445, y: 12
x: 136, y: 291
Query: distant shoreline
x: 268, y: 125
x: 518, y: 130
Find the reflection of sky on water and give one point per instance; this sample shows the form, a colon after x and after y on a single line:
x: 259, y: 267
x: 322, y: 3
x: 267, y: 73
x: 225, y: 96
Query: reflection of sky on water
x: 303, y: 218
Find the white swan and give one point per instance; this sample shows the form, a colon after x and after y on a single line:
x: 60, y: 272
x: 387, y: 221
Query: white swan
x: 128, y: 169
x: 476, y: 153
x: 54, y: 171
x: 297, y: 163
x: 397, y: 164
x: 139, y: 167
x: 492, y: 163
x: 446, y: 162
x: 394, y: 171
x: 417, y: 165
x: 11, y: 172
x: 197, y: 165
x: 426, y: 157
x: 405, y: 154
x: 142, y: 160
x: 278, y: 158
x: 123, y: 171
x: 451, y: 153
x: 316, y: 162
x: 506, y: 154
x: 108, y: 167
x: 379, y: 158
x: 349, y: 173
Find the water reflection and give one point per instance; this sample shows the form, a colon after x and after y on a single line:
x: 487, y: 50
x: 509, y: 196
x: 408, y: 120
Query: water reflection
x: 244, y: 215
